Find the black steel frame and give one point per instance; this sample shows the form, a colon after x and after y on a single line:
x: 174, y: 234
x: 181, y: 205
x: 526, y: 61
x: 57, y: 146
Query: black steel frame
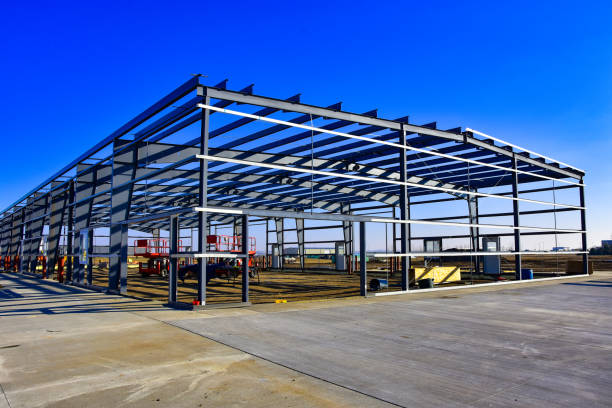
x: 273, y: 159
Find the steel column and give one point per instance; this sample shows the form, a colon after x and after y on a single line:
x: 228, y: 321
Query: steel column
x: 583, y: 226
x: 21, y: 236
x: 85, y: 186
x: 70, y: 236
x: 121, y: 199
x: 347, y: 234
x: 266, y: 259
x: 90, y: 240
x: 237, y: 226
x: 35, y: 222
x: 203, y: 200
x: 404, y: 213
x: 299, y: 227
x: 17, y: 221
x: 173, y: 270
x: 474, y: 231
x: 245, y: 260
x: 363, y: 274
x: 280, y: 240
x: 27, y: 234
x: 516, y: 216
x: 56, y: 221
x: 4, y: 230
x: 394, y: 248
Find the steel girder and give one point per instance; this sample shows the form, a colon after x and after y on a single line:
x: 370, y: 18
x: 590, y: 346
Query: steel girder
x: 466, y: 137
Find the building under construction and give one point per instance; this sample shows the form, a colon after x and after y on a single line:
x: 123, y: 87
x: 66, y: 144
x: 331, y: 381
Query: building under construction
x: 214, y: 195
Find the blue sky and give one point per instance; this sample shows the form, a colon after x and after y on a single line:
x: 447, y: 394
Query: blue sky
x: 538, y: 74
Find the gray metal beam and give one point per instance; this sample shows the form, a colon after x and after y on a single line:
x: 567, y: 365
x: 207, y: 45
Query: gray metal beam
x: 168, y: 153
x: 318, y: 111
x: 163, y: 103
x: 467, y: 137
x: 121, y: 198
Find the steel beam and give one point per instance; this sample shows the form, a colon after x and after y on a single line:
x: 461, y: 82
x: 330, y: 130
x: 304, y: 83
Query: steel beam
x: 163, y: 103
x: 467, y: 137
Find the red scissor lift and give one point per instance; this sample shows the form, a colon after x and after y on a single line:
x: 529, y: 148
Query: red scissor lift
x: 232, y: 244
x: 157, y: 252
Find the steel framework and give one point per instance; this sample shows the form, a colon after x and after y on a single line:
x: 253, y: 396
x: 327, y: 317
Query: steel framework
x: 273, y: 159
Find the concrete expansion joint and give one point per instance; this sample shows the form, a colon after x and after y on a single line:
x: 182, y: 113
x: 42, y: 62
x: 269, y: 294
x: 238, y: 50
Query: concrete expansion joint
x: 5, y: 396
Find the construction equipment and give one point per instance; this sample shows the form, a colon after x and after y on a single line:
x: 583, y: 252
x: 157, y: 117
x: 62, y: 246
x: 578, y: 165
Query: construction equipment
x: 221, y: 267
x: 232, y: 244
x: 215, y: 270
x: 157, y: 252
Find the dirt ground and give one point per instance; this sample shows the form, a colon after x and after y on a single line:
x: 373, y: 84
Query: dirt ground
x: 321, y: 282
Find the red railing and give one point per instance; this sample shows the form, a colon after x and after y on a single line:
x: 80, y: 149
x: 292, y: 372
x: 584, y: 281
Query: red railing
x: 154, y: 247
x: 229, y: 243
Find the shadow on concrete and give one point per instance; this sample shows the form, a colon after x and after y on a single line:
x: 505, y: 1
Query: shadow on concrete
x: 43, y: 286
x: 597, y: 284
x: 22, y: 296
x: 9, y: 294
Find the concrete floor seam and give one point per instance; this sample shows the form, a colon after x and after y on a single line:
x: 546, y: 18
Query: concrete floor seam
x: 292, y: 369
x: 5, y: 396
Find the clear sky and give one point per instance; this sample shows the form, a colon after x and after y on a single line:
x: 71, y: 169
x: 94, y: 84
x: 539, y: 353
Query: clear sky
x: 537, y: 73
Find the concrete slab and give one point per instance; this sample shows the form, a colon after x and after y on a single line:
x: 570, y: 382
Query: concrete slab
x: 545, y: 346
x: 67, y: 347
